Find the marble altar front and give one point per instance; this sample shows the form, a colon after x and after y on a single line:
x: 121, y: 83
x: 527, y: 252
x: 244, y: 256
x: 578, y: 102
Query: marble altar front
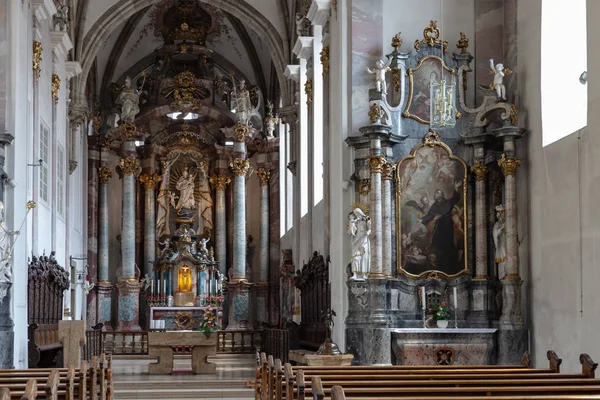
x: 461, y: 346
x: 160, y: 345
x: 181, y: 318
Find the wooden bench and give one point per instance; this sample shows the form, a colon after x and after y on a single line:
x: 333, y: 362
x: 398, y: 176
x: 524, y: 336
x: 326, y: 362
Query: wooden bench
x: 45, y: 350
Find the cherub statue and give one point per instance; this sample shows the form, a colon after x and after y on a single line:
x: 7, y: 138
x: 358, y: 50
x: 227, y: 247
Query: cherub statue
x: 299, y: 24
x: 499, y: 72
x: 203, y: 249
x: 147, y: 281
x: 381, y: 67
x: 165, y: 244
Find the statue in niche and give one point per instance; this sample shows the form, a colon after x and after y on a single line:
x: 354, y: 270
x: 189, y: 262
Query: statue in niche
x: 499, y: 235
x: 129, y: 99
x: 499, y: 72
x: 381, y: 67
x: 185, y: 185
x: 6, y: 248
x: 164, y: 197
x: 185, y: 279
x: 359, y: 227
x: 205, y: 201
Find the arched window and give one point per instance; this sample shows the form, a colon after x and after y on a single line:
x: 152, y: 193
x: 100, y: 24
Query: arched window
x: 564, y: 59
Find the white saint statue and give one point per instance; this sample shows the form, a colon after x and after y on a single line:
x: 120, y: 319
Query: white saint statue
x: 129, y: 99
x: 185, y: 185
x: 162, y: 215
x: 61, y: 18
x: 359, y: 227
x: 243, y: 104
x: 381, y: 67
x: 205, y: 201
x: 497, y: 85
x: 499, y: 235
x: 6, y: 248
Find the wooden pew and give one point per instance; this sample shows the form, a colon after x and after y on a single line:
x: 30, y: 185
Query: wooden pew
x: 43, y: 346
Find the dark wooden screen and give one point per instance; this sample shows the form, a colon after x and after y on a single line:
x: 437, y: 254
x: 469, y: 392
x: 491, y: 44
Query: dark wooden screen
x: 46, y: 284
x: 313, y: 282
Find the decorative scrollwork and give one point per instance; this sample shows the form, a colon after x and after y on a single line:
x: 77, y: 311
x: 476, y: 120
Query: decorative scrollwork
x: 127, y: 130
x: 55, y: 87
x: 375, y: 113
x: 38, y: 52
x: 325, y: 60
x: 240, y: 132
x: 308, y: 89
x: 364, y: 188
x: 432, y: 138
x: 514, y: 113
x: 431, y: 37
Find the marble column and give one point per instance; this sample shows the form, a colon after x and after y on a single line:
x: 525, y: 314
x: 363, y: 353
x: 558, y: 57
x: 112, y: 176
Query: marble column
x: 149, y: 180
x: 6, y: 320
x: 262, y: 290
x: 128, y: 285
x: 239, y: 285
x: 220, y: 182
x: 105, y: 287
x: 387, y: 220
x: 94, y: 155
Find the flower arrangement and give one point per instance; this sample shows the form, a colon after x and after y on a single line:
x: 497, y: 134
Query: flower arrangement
x: 209, y: 322
x: 215, y: 301
x: 440, y: 313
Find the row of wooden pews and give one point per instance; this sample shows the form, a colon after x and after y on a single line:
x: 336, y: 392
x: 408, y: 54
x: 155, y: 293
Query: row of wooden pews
x: 93, y: 381
x: 275, y: 381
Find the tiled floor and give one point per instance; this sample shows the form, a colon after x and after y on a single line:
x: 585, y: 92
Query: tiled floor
x: 131, y: 379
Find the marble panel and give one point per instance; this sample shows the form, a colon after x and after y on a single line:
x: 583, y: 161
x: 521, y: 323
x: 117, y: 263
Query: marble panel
x: 394, y: 299
x: 431, y: 354
x: 240, y: 307
x: 127, y: 308
x: 105, y: 305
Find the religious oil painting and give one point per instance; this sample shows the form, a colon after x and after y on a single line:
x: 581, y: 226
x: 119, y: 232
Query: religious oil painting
x: 431, y: 208
x: 430, y: 69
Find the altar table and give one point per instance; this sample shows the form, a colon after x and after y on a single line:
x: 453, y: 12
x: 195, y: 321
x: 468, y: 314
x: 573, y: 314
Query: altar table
x: 160, y: 345
x: 435, y: 346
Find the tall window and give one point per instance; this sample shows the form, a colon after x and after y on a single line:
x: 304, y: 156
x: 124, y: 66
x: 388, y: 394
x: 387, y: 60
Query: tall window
x: 564, y: 97
x: 44, y: 156
x: 60, y: 181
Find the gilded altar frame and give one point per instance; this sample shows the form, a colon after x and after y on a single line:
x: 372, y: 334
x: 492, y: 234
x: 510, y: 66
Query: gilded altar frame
x: 430, y: 144
x: 408, y: 113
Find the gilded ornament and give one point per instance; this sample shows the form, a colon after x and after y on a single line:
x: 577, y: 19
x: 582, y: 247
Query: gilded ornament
x: 397, y: 42
x: 129, y: 165
x: 387, y: 172
x: 30, y: 205
x: 431, y: 37
x: 480, y: 170
x: 463, y: 43
x: 150, y: 180
x: 375, y: 113
x: 308, y: 89
x: 433, y: 276
x: 376, y: 163
x: 220, y: 182
x: 104, y: 174
x: 127, y: 130
x: 432, y: 138
x: 55, y: 87
x: 240, y: 167
x: 396, y: 78
x: 508, y: 164
x: 38, y: 51
x: 240, y: 132
x: 359, y: 204
x: 514, y: 113
x: 364, y: 188
x: 183, y: 48
x: 325, y: 60
x: 186, y: 79
x: 263, y: 176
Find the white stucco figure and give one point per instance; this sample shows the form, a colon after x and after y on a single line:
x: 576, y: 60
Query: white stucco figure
x: 203, y: 248
x: 205, y: 200
x: 129, y: 99
x: 245, y: 113
x: 185, y: 185
x: 162, y: 201
x: 381, y: 67
x: 497, y: 85
x: 499, y: 235
x: 299, y: 24
x: 6, y: 248
x: 61, y: 18
x: 147, y: 281
x: 359, y: 227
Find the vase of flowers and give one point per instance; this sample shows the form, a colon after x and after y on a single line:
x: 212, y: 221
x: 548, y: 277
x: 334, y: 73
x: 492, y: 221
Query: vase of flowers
x: 440, y: 314
x: 209, y: 322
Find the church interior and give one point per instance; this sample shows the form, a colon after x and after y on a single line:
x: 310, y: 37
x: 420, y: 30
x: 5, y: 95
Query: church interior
x: 270, y: 195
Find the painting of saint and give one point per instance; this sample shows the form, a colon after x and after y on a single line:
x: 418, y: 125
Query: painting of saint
x: 431, y: 211
x: 430, y: 69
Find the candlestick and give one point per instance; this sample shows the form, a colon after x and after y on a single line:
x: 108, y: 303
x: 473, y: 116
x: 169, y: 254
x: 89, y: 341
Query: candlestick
x: 455, y: 302
x: 423, y: 298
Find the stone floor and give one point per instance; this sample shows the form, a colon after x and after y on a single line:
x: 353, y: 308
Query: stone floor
x: 131, y: 379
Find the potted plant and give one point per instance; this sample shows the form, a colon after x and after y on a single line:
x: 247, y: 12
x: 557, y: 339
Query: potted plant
x: 209, y: 322
x: 440, y: 314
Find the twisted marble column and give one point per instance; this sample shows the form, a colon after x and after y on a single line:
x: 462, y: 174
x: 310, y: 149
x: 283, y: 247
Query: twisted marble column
x: 149, y: 180
x: 387, y: 174
x: 220, y: 183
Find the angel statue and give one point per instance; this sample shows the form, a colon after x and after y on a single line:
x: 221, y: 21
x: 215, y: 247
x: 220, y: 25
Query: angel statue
x: 147, y: 281
x: 381, y: 67
x: 165, y: 245
x: 6, y: 248
x: 499, y: 72
x: 499, y: 235
x: 203, y: 248
x: 129, y: 99
x: 359, y: 227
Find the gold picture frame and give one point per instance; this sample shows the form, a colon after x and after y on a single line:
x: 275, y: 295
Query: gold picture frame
x: 418, y: 87
x: 432, y: 230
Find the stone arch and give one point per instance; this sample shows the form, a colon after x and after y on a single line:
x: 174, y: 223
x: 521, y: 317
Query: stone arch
x: 124, y: 9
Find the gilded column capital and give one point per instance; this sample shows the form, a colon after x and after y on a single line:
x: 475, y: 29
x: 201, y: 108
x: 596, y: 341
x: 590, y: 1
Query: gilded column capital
x: 104, y: 174
x: 387, y: 171
x: 240, y: 167
x: 509, y: 164
x: 129, y: 165
x: 55, y: 87
x: 308, y: 89
x: 263, y: 176
x: 325, y: 60
x: 240, y: 132
x: 150, y: 180
x: 38, y: 52
x: 480, y: 170
x: 127, y: 130
x: 220, y: 182
x: 376, y: 163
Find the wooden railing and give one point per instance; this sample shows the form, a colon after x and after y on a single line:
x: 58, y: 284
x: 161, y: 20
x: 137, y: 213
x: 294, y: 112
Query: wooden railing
x: 125, y: 342
x: 93, y: 343
x: 238, y: 341
x: 276, y: 342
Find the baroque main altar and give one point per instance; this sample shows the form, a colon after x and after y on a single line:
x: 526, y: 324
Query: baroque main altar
x: 434, y: 228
